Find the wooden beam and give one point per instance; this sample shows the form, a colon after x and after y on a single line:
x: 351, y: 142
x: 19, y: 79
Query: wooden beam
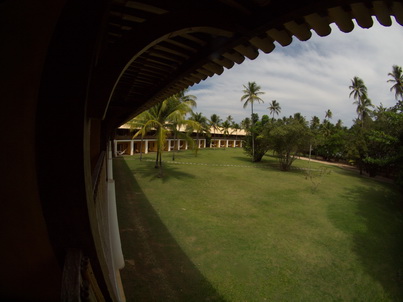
x: 234, y: 56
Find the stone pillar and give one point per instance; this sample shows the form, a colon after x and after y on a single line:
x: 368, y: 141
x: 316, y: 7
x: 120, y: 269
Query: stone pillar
x: 131, y: 147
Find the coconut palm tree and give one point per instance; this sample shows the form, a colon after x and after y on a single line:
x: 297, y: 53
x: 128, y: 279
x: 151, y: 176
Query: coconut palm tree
x: 328, y: 114
x: 251, y: 94
x: 363, y: 109
x: 358, y: 88
x: 214, y: 122
x: 191, y: 101
x: 236, y: 127
x: 359, y: 92
x: 139, y: 124
x: 397, y: 79
x: 163, y: 118
x: 230, y: 119
x: 225, y: 129
x: 245, y: 124
x: 199, y: 123
x: 315, y: 122
x: 274, y: 108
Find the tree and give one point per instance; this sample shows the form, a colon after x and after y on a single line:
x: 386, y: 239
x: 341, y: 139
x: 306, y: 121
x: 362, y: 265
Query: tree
x: 236, y: 128
x: 363, y: 110
x: 358, y: 88
x: 360, y: 94
x: 225, y: 128
x: 287, y: 138
x: 385, y: 144
x: 230, y: 119
x: 163, y: 118
x: 397, y: 79
x: 215, y: 122
x: 328, y: 114
x: 315, y: 122
x: 140, y: 125
x: 261, y: 141
x: 191, y: 101
x: 246, y: 124
x: 251, y: 94
x: 274, y: 108
x: 199, y: 124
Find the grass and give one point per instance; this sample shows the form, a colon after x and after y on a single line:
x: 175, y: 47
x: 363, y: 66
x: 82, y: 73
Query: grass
x: 217, y: 227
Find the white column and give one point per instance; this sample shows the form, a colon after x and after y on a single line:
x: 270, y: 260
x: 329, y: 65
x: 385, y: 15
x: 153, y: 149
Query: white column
x: 226, y: 143
x: 234, y: 144
x: 131, y: 147
x: 186, y: 145
x: 145, y: 146
x: 115, y: 244
x: 169, y: 145
x: 115, y: 148
x: 240, y: 144
x: 211, y: 143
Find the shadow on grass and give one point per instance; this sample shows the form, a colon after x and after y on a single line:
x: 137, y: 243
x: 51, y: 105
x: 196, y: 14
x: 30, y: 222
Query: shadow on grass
x: 373, y: 217
x: 168, y: 171
x: 156, y: 268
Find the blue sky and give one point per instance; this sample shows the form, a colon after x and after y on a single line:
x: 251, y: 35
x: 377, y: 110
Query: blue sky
x: 310, y: 77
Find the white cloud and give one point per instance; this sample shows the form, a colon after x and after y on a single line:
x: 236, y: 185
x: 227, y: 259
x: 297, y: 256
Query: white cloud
x: 310, y: 77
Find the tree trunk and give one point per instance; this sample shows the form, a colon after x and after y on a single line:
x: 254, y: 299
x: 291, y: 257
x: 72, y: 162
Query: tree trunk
x: 156, y: 159
x: 253, y: 137
x: 175, y: 143
x: 141, y: 148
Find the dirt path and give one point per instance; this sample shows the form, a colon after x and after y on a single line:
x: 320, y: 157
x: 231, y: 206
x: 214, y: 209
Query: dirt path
x: 348, y: 167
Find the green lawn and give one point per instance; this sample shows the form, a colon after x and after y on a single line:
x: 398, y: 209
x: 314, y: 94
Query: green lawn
x: 217, y: 227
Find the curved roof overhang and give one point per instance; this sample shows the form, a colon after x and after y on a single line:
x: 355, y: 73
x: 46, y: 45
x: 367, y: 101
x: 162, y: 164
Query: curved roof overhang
x: 155, y: 48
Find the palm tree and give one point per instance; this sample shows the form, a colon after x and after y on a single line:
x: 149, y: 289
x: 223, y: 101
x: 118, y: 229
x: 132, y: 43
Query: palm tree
x: 225, y: 128
x: 359, y: 92
x: 397, y: 79
x: 315, y: 122
x: 251, y: 94
x: 358, y: 88
x: 140, y: 125
x: 236, y: 128
x: 191, y: 101
x: 214, y: 122
x: 230, y: 119
x: 245, y: 124
x: 274, y: 108
x: 328, y: 114
x: 163, y: 118
x: 199, y: 125
x: 363, y: 109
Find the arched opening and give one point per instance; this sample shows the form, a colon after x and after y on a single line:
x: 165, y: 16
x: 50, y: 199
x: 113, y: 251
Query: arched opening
x: 152, y: 212
x: 62, y: 59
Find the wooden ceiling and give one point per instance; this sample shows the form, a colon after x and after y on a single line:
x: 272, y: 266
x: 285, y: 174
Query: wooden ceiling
x: 151, y: 49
